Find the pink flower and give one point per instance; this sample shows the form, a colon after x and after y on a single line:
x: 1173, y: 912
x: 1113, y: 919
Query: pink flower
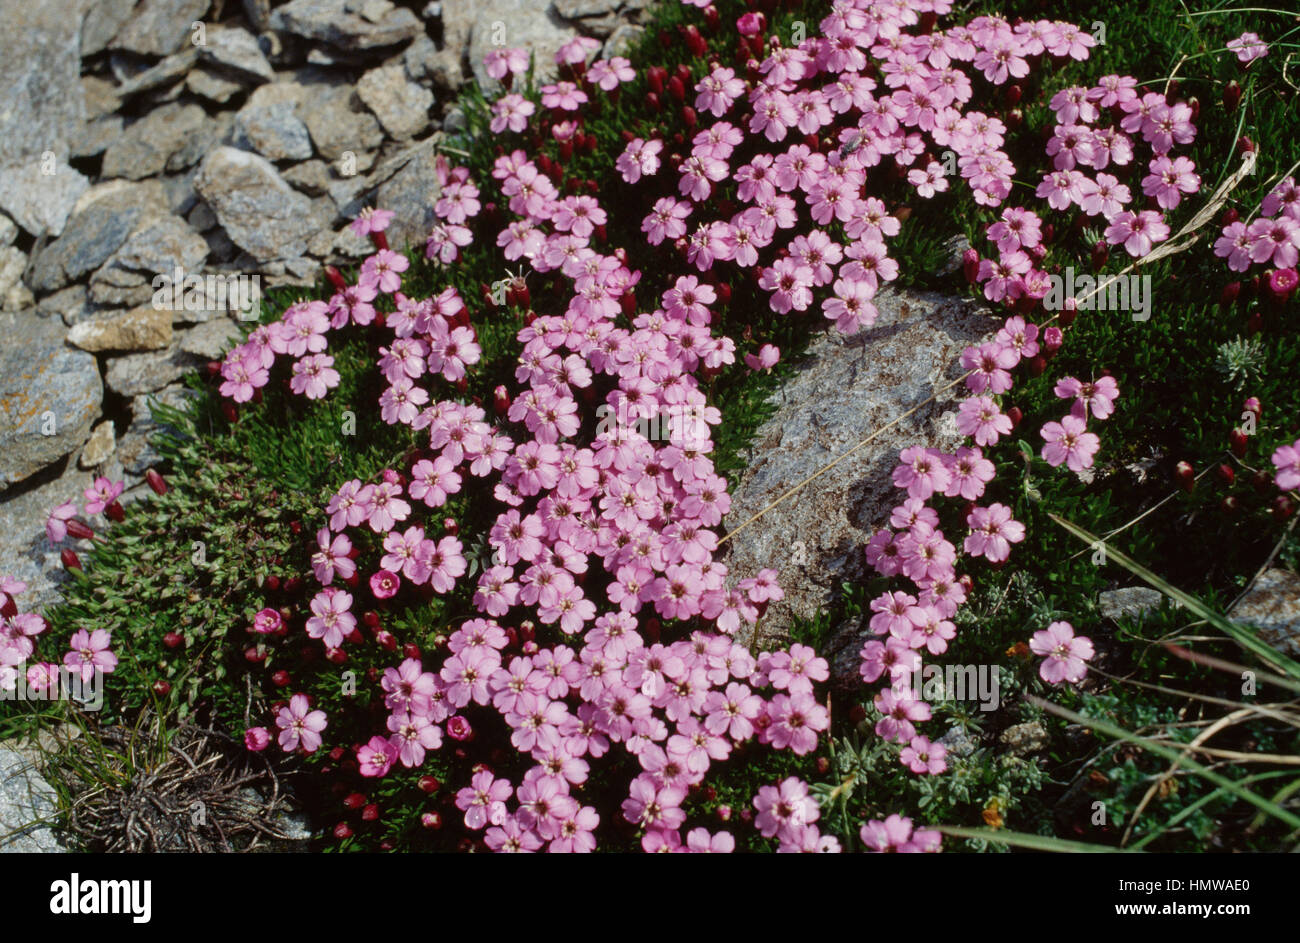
x: 1235, y: 244
x: 784, y: 809
x: 980, y: 418
x: 331, y: 620
x: 384, y: 584
x: 1137, y: 232
x: 56, y: 525
x: 332, y: 558
x: 1068, y: 442
x: 1096, y: 398
x: 101, y: 494
x: 1064, y: 653
x: 992, y: 532
x: 1248, y: 47
x: 458, y: 728
x: 267, y: 622
x: 768, y: 356
x: 257, y: 739
x: 89, y: 653
x: 921, y: 472
x: 376, y: 758
x: 922, y: 756
x: 300, y: 726
x: 484, y: 800
x: 1287, y: 462
x: 371, y: 220
x: 640, y: 158
x: 895, y: 834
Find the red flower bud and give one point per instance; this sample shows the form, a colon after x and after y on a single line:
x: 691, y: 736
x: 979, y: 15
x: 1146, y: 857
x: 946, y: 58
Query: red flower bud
x: 79, y: 530
x: 655, y: 77
x: 1231, y: 96
x: 342, y: 831
x: 173, y: 639
x: 1238, y: 441
x: 114, y: 512
x: 70, y: 559
x: 970, y: 265
x: 1100, y: 254
x: 1015, y: 415
x: 281, y: 679
x: 1283, y: 507
x: 677, y: 88
x: 156, y: 481
x: 1186, y: 475
x: 1231, y: 292
x: 336, y: 278
x: 370, y: 813
x: 336, y: 656
x: 162, y: 688
x: 1229, y: 505
x: 1227, y: 474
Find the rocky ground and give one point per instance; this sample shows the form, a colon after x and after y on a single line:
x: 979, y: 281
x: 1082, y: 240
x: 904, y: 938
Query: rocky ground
x: 223, y: 138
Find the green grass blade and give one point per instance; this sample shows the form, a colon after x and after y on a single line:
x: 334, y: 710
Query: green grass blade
x: 1032, y: 842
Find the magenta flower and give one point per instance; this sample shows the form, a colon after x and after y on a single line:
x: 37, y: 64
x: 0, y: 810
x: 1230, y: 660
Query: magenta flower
x: 257, y: 739
x: 384, y: 584
x: 267, y: 622
x: 376, y: 758
x: 331, y: 620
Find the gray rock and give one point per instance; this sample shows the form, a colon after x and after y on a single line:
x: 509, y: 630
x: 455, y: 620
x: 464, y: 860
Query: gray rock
x: 13, y: 261
x: 1128, y: 603
x: 536, y: 27
x: 274, y: 131
x: 346, y: 23
x: 50, y: 395
x: 311, y: 177
x: 40, y: 73
x: 101, y: 97
x: 581, y: 9
x: 160, y: 27
x: 98, y: 135
x: 419, y: 58
x: 134, y: 374
x: 258, y: 13
x: 134, y: 449
x: 411, y: 194
x: 168, y: 72
x: 1023, y: 739
x: 959, y: 742
x: 8, y: 231
x: 103, y: 21
x: 843, y: 652
x: 1273, y: 606
x: 262, y: 214
x: 38, y: 201
x: 100, y: 222
x: 71, y: 304
x: 212, y: 133
x: 844, y: 390
x: 211, y: 339
x: 99, y: 447
x: 158, y: 247
x: 147, y: 144
x: 28, y: 804
x: 143, y: 328
x: 401, y: 106
x: 337, y: 125
x: 236, y: 51
x: 621, y: 41
x: 25, y: 552
x: 206, y: 83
